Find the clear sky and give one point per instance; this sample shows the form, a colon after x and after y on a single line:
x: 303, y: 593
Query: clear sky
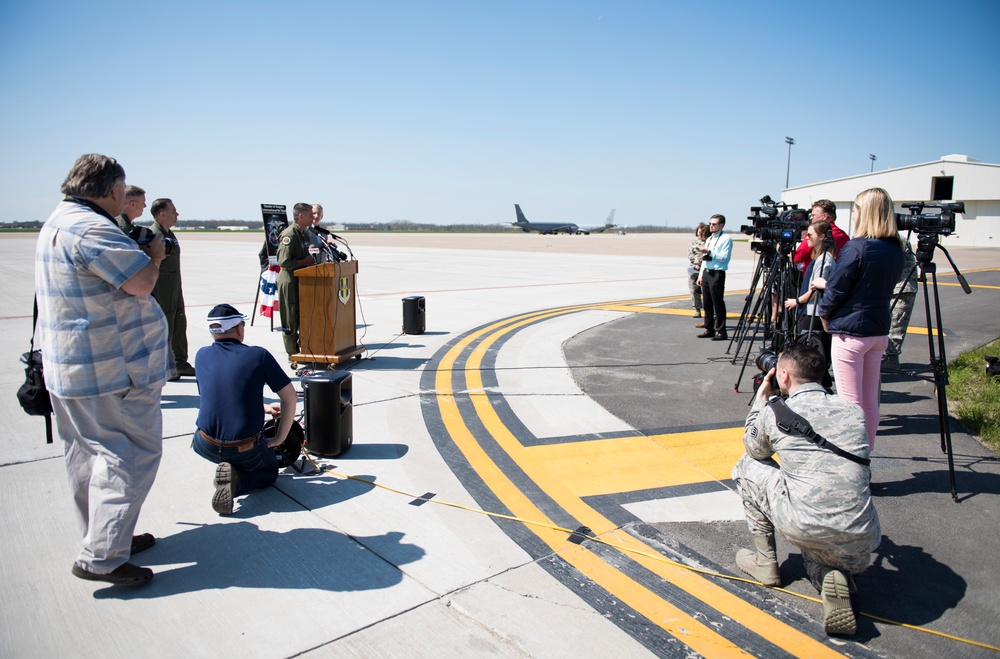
x: 451, y: 112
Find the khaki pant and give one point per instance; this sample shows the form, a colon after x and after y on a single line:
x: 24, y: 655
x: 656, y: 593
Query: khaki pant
x: 112, y: 445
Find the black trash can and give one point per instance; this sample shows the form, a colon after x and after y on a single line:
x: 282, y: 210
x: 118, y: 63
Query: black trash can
x: 413, y: 315
x: 329, y: 413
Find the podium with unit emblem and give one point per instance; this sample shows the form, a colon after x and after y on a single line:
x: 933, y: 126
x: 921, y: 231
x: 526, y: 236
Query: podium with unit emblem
x: 327, y: 325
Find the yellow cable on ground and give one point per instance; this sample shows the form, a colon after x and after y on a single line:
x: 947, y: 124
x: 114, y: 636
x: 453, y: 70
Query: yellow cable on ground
x: 618, y: 547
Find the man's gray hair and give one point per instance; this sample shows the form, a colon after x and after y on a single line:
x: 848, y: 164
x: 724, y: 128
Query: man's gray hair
x: 133, y: 191
x: 93, y: 176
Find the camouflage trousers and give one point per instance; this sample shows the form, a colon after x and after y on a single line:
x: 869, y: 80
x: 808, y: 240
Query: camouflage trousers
x: 695, y: 290
x: 767, y: 508
x: 900, y: 321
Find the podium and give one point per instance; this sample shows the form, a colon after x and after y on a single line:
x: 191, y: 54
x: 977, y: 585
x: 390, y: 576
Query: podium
x: 327, y: 325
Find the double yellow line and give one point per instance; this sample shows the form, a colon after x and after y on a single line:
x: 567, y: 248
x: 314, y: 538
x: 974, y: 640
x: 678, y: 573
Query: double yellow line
x: 465, y: 383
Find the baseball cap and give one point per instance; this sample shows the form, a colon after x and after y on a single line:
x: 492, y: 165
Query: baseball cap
x: 224, y: 317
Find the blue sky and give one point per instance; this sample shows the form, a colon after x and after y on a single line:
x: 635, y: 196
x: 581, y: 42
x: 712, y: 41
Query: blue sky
x: 451, y: 112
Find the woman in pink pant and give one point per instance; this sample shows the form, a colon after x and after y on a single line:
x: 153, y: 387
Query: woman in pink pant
x: 855, y: 306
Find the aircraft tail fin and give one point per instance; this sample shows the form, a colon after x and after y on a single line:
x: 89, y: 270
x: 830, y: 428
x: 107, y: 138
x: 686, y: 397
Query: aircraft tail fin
x: 611, y: 219
x: 520, y: 216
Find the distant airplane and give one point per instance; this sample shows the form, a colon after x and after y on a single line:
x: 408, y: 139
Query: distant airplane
x: 551, y: 228
x: 608, y: 224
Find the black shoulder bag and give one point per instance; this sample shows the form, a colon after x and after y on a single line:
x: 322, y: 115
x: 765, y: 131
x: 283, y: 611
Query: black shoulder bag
x: 33, y: 395
x: 795, y: 424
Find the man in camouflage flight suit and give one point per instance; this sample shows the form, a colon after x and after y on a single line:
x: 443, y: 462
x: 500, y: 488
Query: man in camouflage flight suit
x: 293, y: 253
x: 818, y: 500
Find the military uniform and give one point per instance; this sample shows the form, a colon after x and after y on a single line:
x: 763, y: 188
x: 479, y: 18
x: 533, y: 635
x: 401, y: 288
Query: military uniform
x: 168, y: 293
x: 124, y: 223
x: 819, y: 501
x: 293, y: 246
x: 906, y: 292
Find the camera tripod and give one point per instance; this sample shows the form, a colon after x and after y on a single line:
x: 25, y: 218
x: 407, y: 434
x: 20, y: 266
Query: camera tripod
x: 938, y: 365
x: 759, y: 316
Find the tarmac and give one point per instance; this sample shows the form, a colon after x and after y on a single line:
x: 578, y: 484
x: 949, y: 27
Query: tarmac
x: 544, y: 472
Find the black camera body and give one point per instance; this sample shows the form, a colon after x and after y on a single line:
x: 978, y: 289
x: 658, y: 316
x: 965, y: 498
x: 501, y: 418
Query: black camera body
x: 940, y: 223
x: 776, y: 222
x: 766, y: 360
x: 143, y: 236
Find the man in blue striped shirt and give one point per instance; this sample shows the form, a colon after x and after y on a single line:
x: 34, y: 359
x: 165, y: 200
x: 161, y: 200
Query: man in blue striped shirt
x: 106, y: 358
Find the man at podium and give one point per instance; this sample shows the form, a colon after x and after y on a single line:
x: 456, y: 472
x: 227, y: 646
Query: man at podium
x: 293, y: 253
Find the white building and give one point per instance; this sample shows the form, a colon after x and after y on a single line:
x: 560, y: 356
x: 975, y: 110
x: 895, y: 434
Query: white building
x: 952, y: 178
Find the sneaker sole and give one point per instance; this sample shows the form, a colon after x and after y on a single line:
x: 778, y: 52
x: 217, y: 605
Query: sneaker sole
x: 222, y: 500
x: 838, y: 616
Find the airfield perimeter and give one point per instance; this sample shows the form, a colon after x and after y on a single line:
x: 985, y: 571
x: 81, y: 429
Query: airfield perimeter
x: 559, y: 382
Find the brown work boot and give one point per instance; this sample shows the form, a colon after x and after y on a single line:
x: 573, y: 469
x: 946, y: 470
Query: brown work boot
x: 761, y: 564
x: 226, y: 485
x: 838, y: 616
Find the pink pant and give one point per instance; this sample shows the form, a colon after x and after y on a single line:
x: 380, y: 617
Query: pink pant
x: 856, y: 366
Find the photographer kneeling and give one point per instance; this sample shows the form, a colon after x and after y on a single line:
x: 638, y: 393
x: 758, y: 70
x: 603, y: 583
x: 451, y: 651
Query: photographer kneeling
x: 818, y: 498
x: 231, y: 377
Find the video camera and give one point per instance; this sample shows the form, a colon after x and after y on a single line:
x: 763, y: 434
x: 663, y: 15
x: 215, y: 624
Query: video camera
x: 942, y: 223
x: 776, y: 221
x: 143, y: 236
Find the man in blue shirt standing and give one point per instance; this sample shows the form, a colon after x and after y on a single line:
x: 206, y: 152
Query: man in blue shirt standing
x: 231, y: 378
x: 717, y: 251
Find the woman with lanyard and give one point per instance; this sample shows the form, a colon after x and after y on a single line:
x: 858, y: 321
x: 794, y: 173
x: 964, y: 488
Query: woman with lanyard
x: 821, y: 266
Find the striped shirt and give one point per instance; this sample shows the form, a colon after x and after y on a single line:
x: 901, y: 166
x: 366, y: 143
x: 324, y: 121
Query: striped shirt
x: 96, y: 339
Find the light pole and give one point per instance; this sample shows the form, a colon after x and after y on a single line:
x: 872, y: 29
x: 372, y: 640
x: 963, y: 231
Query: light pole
x: 871, y: 156
x: 789, y: 141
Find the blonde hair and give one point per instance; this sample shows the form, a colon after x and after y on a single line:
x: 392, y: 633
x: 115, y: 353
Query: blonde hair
x: 875, y: 218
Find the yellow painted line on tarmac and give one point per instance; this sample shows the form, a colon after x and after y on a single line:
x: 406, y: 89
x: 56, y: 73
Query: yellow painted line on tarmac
x: 924, y: 331
x: 627, y: 464
x: 986, y: 286
x: 690, y: 631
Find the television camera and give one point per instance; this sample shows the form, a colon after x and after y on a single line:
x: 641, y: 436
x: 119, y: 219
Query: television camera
x: 775, y: 222
x: 940, y: 223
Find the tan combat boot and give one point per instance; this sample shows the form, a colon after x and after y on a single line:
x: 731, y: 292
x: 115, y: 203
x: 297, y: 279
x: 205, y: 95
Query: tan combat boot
x: 762, y: 564
x: 838, y: 616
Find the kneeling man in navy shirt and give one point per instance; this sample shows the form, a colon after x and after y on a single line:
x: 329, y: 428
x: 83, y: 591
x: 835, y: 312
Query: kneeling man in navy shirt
x: 231, y: 378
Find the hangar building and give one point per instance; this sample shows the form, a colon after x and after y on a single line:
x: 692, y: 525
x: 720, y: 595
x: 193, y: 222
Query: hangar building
x: 952, y: 178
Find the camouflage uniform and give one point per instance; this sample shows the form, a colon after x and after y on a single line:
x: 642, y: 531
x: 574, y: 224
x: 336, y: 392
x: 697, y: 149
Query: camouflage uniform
x: 168, y: 293
x: 906, y: 291
x: 694, y: 258
x: 819, y: 501
x: 124, y: 223
x: 293, y: 246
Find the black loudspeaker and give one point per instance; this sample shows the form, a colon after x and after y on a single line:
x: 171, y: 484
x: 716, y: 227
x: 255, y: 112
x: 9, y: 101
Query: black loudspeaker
x: 413, y: 315
x: 329, y: 415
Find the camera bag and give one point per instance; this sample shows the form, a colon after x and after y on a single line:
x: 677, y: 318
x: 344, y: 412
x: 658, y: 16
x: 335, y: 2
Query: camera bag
x: 32, y: 395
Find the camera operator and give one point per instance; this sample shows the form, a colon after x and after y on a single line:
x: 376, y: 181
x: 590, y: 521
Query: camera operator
x: 823, y: 210
x: 855, y: 307
x: 817, y: 497
x: 714, y: 262
x: 106, y: 359
x: 168, y: 291
x: 231, y: 379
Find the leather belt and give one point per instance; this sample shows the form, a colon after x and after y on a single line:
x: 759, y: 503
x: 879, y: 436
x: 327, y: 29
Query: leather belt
x: 239, y: 444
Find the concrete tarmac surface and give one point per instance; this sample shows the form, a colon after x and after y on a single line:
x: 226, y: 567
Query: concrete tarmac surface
x: 558, y: 387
